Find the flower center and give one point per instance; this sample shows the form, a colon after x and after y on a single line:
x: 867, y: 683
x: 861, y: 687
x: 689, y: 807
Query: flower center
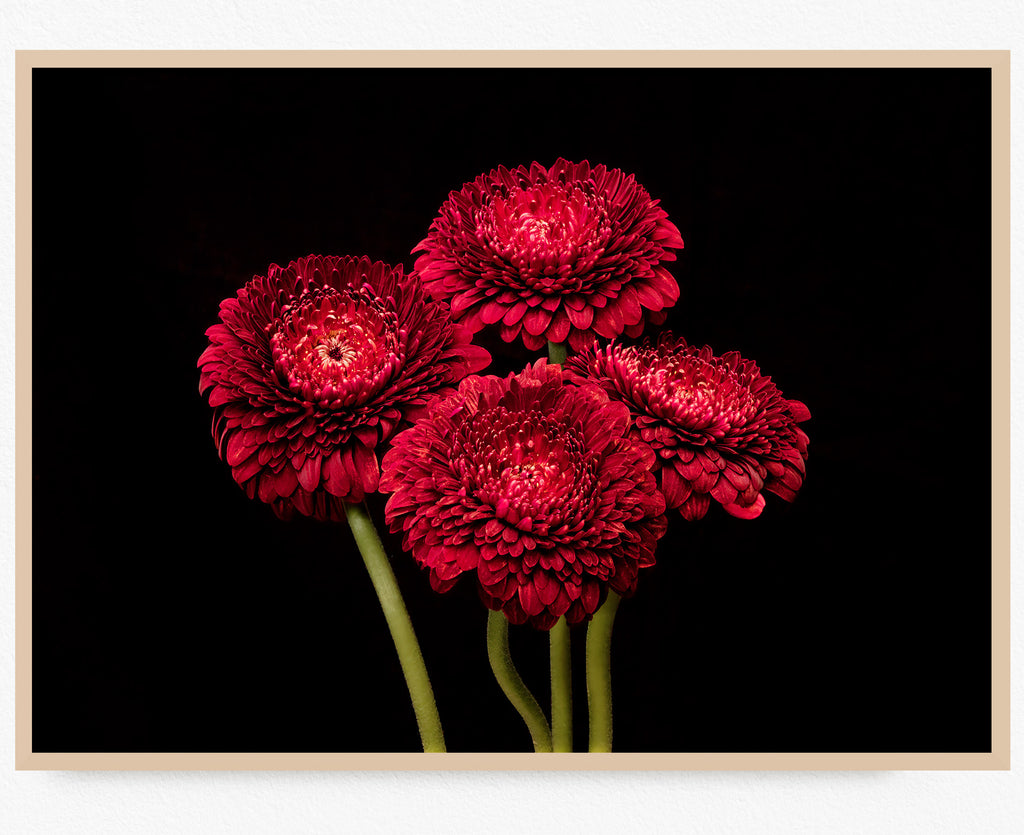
x: 551, y: 234
x: 340, y: 351
x: 703, y: 397
x: 701, y: 394
x: 527, y: 480
x: 532, y: 469
x: 336, y: 348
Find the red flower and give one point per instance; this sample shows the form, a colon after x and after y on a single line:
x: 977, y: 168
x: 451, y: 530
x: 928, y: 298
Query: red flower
x: 552, y: 254
x: 535, y: 486
x: 315, y: 365
x: 721, y: 430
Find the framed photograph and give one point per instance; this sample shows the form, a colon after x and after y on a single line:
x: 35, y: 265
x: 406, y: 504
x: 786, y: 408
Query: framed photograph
x: 301, y: 335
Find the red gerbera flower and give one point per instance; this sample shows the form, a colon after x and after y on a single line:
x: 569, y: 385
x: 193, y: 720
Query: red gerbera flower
x: 722, y: 431
x: 533, y: 484
x: 552, y: 254
x: 316, y: 364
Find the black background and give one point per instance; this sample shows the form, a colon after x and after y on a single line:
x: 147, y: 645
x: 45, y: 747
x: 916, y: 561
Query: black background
x: 837, y: 229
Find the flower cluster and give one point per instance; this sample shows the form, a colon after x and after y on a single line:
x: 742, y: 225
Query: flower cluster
x: 313, y: 366
x: 549, y: 486
x: 534, y: 485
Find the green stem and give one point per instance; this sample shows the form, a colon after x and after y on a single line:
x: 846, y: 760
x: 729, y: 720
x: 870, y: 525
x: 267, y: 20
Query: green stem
x: 409, y: 655
x: 561, y: 651
x: 599, y: 673
x: 556, y: 352
x: 561, y: 687
x: 512, y: 683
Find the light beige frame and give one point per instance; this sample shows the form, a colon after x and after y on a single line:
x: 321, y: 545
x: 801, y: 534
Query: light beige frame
x: 997, y: 759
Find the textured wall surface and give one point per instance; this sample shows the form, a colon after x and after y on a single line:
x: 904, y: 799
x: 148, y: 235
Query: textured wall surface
x: 498, y: 802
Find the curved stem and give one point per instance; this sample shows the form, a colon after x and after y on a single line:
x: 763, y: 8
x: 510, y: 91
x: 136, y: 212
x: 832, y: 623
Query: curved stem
x: 512, y: 683
x: 397, y: 616
x: 561, y: 686
x: 556, y: 352
x: 599, y: 673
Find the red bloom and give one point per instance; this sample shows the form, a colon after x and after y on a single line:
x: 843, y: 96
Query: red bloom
x: 552, y: 254
x: 721, y: 430
x: 315, y: 365
x: 535, y: 486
